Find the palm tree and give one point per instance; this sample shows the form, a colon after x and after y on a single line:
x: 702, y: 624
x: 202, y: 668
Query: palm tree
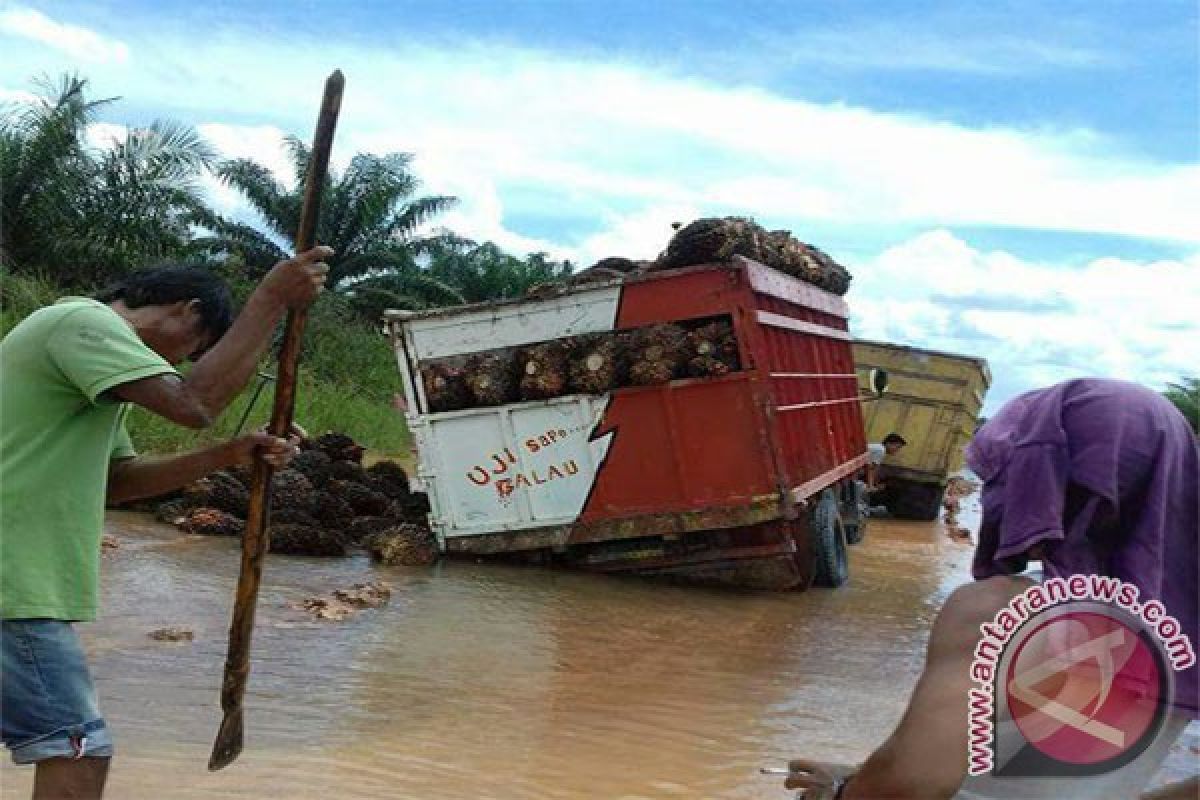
x: 44, y: 166
x: 368, y: 215
x: 1186, y: 397
x: 451, y: 272
x: 140, y: 205
x: 485, y: 272
x: 94, y: 214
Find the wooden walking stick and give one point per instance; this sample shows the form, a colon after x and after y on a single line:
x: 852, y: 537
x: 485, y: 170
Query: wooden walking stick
x: 228, y: 744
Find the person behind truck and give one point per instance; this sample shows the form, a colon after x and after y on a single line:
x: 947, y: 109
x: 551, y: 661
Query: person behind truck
x: 876, y: 451
x: 1089, y: 477
x: 68, y: 374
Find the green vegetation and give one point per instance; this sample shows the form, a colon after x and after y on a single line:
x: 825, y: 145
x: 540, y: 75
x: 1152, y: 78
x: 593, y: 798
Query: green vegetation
x: 1186, y: 397
x: 348, y: 378
x: 75, y: 215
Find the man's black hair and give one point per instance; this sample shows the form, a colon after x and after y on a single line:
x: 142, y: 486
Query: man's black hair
x: 174, y: 283
x: 895, y: 438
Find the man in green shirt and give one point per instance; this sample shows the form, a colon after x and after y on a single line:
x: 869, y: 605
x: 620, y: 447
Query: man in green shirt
x: 68, y: 374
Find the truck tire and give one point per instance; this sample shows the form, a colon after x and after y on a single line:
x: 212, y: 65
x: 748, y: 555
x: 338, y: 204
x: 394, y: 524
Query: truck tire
x: 854, y: 511
x: 916, y: 500
x: 828, y: 541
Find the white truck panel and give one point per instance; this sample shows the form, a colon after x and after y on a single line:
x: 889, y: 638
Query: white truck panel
x: 514, y: 325
x: 513, y: 467
x: 526, y: 465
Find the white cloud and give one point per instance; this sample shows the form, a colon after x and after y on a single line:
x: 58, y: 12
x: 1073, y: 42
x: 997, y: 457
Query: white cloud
x: 261, y: 143
x: 77, y: 42
x: 105, y: 135
x: 18, y: 96
x: 1109, y: 317
x: 612, y: 139
x: 640, y: 235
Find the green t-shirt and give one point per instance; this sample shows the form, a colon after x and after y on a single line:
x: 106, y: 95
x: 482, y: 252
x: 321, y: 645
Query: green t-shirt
x: 58, y: 433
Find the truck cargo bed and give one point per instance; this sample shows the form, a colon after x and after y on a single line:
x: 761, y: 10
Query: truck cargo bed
x: 703, y: 477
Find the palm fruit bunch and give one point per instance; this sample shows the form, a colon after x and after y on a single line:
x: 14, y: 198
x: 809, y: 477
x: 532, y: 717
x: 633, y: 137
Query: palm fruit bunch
x: 210, y: 522
x: 616, y: 264
x: 543, y: 370
x: 657, y: 354
x: 606, y: 269
x: 228, y: 494
x: 330, y: 509
x: 490, y: 379
x: 597, y: 364
x: 290, y: 489
x: 792, y: 256
x: 302, y: 540
x: 445, y: 387
x: 389, y: 478
x: 414, y: 508
x: 363, y: 500
x: 403, y: 545
x: 362, y: 527
x: 834, y: 277
x: 718, y: 239
x: 339, y: 447
x: 325, y: 502
x: 312, y: 465
x: 171, y: 511
x: 344, y: 471
x: 712, y: 350
x: 293, y: 516
x: 219, y: 490
x: 714, y: 239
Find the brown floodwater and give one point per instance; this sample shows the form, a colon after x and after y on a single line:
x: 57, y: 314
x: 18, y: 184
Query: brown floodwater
x: 487, y: 681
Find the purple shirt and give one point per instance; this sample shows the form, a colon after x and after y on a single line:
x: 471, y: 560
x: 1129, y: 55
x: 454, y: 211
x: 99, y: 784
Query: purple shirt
x: 1103, y: 474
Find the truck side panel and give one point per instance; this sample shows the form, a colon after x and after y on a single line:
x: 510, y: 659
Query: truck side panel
x: 803, y: 354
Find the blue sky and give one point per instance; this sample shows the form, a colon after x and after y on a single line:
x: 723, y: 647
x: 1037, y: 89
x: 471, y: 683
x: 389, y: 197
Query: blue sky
x: 1012, y: 180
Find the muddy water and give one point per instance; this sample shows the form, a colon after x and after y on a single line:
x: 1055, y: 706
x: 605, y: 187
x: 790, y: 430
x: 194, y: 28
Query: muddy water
x: 481, y: 681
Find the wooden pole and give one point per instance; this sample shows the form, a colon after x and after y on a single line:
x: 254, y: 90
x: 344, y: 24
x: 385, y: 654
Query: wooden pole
x: 228, y: 744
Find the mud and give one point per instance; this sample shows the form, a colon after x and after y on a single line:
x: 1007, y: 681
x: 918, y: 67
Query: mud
x: 492, y: 681
x: 958, y: 490
x: 344, y: 602
x: 172, y: 635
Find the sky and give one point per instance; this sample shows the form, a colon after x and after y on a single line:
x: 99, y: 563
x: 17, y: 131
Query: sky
x: 1017, y: 181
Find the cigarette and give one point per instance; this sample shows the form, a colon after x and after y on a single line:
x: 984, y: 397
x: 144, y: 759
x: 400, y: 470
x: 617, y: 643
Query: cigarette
x: 774, y: 771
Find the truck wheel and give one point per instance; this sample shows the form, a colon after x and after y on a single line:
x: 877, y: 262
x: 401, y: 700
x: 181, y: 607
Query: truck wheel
x: 854, y: 508
x: 828, y: 541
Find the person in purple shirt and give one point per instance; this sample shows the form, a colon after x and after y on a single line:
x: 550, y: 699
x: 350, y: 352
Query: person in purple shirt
x: 1087, y: 477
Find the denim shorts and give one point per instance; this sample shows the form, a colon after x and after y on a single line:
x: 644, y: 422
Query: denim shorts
x: 47, y: 700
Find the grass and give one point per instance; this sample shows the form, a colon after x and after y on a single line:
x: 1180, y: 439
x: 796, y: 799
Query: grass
x: 347, y: 379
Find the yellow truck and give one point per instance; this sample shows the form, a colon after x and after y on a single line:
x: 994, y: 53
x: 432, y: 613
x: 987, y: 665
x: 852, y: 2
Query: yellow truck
x: 933, y: 400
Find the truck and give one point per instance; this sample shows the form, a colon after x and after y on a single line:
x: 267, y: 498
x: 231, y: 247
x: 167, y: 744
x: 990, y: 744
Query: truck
x: 933, y: 400
x: 744, y: 479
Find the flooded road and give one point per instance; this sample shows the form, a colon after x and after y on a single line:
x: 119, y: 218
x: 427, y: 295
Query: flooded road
x: 485, y: 681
